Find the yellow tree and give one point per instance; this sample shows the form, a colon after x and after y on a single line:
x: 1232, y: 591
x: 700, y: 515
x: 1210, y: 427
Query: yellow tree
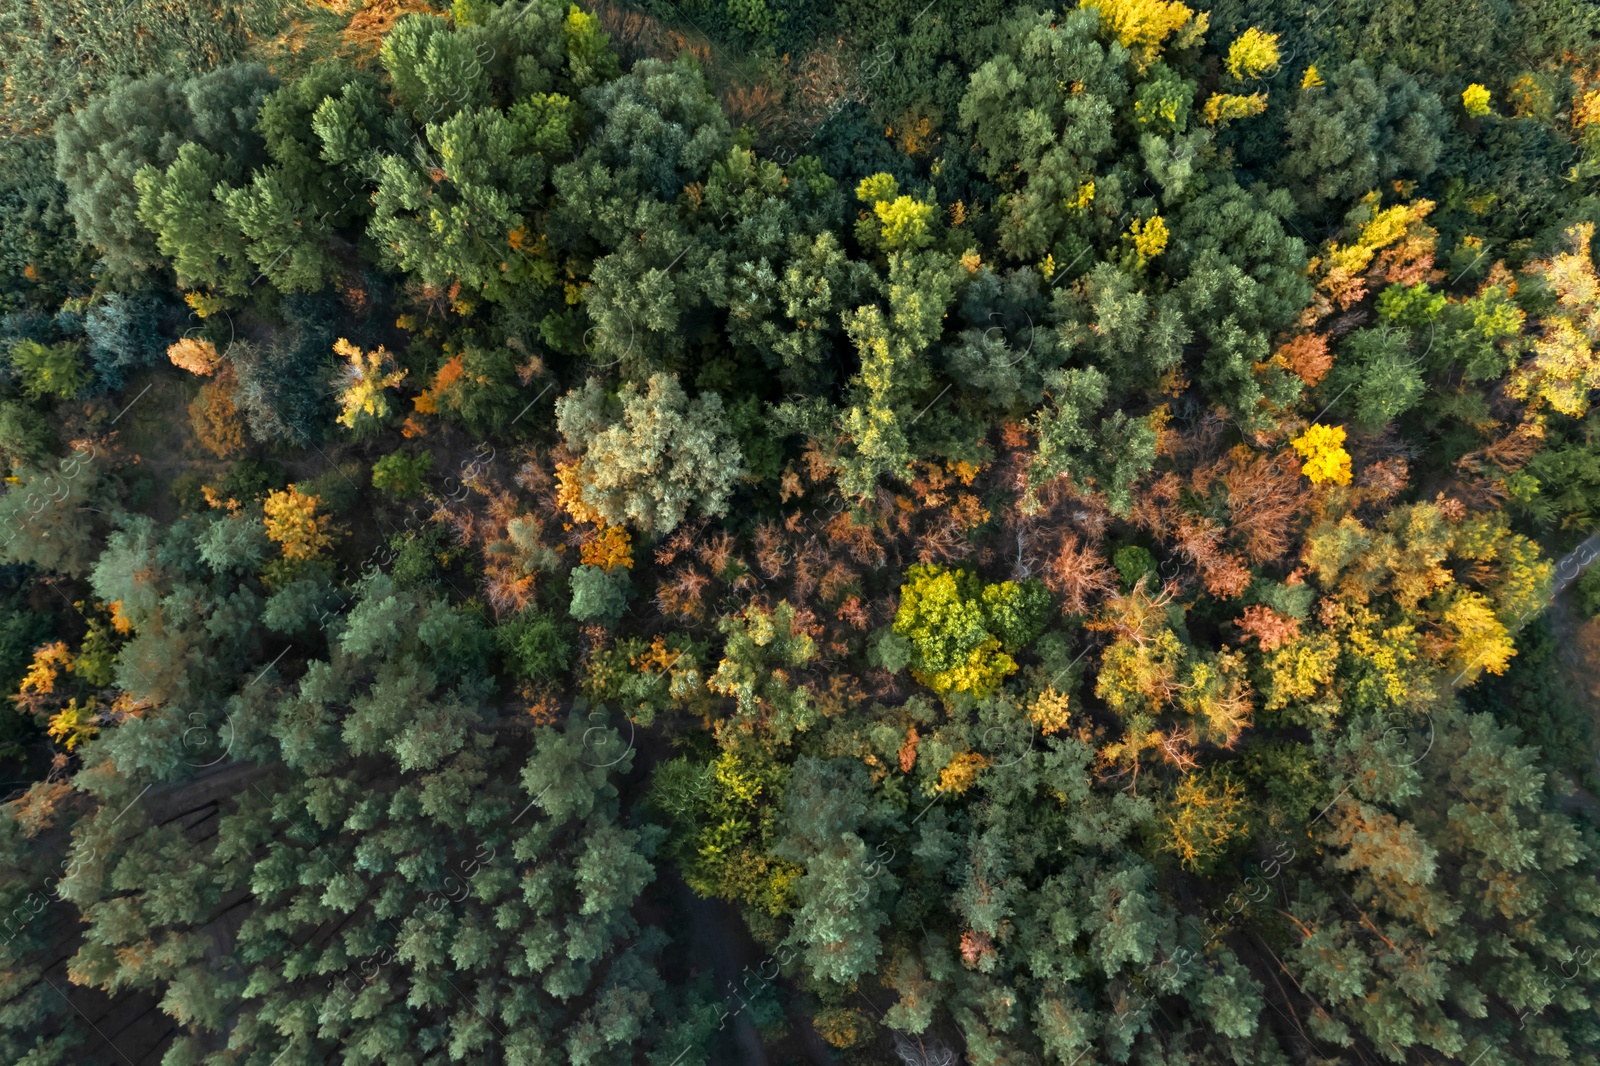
x: 1253, y: 54
x: 1223, y: 108
x: 1149, y: 238
x: 1299, y: 671
x: 217, y: 422
x: 1206, y: 816
x: 1340, y: 270
x: 74, y: 724
x: 293, y: 524
x: 364, y: 399
x: 37, y: 693
x: 1217, y: 695
x: 1143, y: 26
x: 1481, y: 640
x: 1564, y: 367
x: 1322, y: 448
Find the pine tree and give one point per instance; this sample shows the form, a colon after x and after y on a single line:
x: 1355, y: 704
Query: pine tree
x: 648, y: 462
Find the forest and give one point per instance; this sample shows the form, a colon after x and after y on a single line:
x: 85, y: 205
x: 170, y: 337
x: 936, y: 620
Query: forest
x: 782, y: 532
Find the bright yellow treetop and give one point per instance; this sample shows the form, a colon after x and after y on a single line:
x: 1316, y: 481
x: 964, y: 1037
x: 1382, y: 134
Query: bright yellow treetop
x: 293, y: 524
x: 367, y: 377
x: 1475, y: 98
x: 1223, y: 108
x: 1253, y: 54
x: 1322, y: 447
x: 1149, y: 237
x: 1143, y: 26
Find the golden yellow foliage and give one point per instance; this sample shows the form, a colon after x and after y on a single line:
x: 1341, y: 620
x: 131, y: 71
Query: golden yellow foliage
x: 1223, y: 108
x: 1050, y: 711
x: 981, y: 674
x: 1390, y: 224
x: 961, y: 772
x: 842, y: 1026
x: 74, y: 724
x: 1322, y: 447
x: 1253, y: 54
x: 217, y: 422
x: 964, y: 472
x: 1143, y: 26
x: 1205, y: 818
x: 1140, y: 674
x: 877, y: 188
x: 1218, y: 696
x: 367, y: 376
x: 1387, y: 656
x: 1564, y: 367
x: 1149, y: 237
x: 1475, y: 98
x: 1311, y: 78
x: 1340, y: 266
x: 215, y: 499
x: 608, y: 549
x: 904, y: 220
x: 1530, y: 97
x: 292, y: 523
x: 1586, y: 109
x: 569, y: 494
x: 1481, y: 639
x: 915, y: 134
x: 741, y: 784
x: 202, y: 304
x: 48, y: 664
x: 1299, y: 670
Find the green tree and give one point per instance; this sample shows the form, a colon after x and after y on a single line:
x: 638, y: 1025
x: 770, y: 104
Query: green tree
x: 536, y: 646
x: 895, y: 377
x: 322, y: 133
x: 283, y: 384
x: 599, y: 595
x: 25, y: 436
x: 53, y: 370
x: 1043, y: 143
x: 102, y: 149
x: 1358, y: 132
x: 841, y: 897
x: 462, y: 219
x: 42, y: 260
x: 962, y: 632
x: 1379, y: 377
x: 400, y: 475
x: 763, y: 651
x: 648, y: 457
x: 1111, y: 459
x: 47, y: 516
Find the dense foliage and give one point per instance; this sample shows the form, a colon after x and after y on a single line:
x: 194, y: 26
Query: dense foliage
x: 1044, y: 535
